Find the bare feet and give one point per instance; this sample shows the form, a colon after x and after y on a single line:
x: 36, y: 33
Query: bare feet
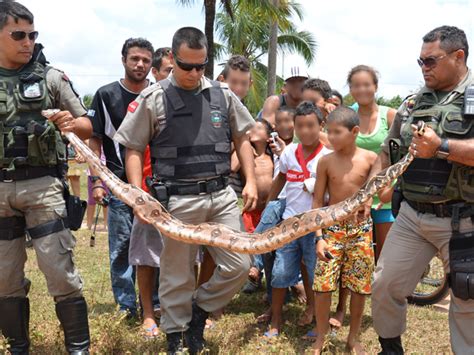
x: 307, y: 317
x: 355, y: 348
x: 319, y: 344
x: 336, y: 321
x: 299, y: 292
x: 265, y: 317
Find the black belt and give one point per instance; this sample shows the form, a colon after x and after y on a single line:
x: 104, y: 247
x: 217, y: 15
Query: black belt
x: 443, y: 209
x: 198, y: 187
x: 28, y: 172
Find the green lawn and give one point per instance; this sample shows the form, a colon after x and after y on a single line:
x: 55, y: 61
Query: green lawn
x: 236, y: 333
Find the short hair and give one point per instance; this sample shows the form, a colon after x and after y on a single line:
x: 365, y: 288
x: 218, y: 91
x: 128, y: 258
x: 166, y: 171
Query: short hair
x: 191, y: 36
x: 307, y: 108
x: 338, y: 94
x: 158, y: 57
x: 136, y: 42
x: 344, y: 116
x: 16, y: 10
x: 286, y: 109
x: 236, y: 62
x: 363, y: 68
x: 450, y: 39
x: 267, y: 124
x: 318, y: 85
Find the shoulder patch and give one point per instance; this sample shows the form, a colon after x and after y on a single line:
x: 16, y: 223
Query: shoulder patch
x: 132, y: 107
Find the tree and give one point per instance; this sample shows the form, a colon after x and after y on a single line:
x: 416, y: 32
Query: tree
x: 87, y: 100
x: 248, y: 34
x: 210, y: 16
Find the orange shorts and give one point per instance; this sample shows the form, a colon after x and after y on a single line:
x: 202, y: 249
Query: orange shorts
x: 353, y: 262
x: 251, y: 220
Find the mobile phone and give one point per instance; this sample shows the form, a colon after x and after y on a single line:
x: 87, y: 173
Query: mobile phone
x: 274, y: 136
x: 328, y: 255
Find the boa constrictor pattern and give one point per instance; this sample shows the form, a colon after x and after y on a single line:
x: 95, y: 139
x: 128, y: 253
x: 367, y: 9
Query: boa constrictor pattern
x: 219, y: 235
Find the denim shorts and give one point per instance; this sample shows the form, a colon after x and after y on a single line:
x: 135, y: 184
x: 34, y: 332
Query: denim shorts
x: 288, y: 258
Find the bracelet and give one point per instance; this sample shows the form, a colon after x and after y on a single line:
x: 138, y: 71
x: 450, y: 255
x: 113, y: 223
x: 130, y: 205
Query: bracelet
x: 98, y: 187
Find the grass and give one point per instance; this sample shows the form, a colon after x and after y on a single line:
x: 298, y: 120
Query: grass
x: 236, y: 333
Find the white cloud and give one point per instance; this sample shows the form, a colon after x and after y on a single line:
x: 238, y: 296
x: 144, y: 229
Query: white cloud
x: 85, y: 38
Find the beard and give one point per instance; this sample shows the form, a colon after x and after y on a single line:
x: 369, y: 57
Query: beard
x: 135, y: 77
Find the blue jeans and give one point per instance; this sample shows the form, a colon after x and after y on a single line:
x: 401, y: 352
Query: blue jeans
x: 271, y: 216
x: 287, y: 264
x: 122, y: 274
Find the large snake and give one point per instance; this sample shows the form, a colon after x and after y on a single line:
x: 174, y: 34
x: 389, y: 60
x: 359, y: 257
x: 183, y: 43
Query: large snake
x: 220, y: 235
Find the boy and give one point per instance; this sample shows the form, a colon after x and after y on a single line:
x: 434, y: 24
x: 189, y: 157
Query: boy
x: 237, y: 75
x: 297, y: 170
x: 319, y: 93
x: 344, y: 250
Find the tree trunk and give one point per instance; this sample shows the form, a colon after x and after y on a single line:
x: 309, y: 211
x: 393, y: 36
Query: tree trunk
x: 210, y: 11
x: 272, y: 55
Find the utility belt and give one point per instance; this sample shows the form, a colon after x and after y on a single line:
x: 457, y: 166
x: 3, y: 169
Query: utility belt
x: 162, y: 190
x: 444, y: 209
x: 30, y: 172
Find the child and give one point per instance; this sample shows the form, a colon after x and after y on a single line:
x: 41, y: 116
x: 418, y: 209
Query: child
x: 259, y: 136
x: 272, y: 214
x: 319, y: 93
x: 297, y: 169
x: 345, y: 249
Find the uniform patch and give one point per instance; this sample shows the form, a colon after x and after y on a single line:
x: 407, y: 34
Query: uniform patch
x: 132, y: 106
x: 216, y: 119
x: 91, y: 113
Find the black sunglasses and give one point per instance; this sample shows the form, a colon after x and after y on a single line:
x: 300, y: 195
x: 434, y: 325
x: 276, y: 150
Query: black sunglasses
x: 431, y: 62
x: 21, y: 35
x: 189, y: 66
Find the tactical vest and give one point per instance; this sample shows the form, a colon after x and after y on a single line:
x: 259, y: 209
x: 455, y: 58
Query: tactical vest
x: 26, y: 137
x: 196, y: 140
x: 437, y: 180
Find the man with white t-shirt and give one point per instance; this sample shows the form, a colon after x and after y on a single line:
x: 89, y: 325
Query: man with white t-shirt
x: 298, y: 165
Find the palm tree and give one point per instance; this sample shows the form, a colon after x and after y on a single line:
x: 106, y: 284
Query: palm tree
x: 248, y: 34
x: 210, y: 16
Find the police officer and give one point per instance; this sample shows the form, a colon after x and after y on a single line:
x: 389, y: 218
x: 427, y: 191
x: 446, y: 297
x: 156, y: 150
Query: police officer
x: 32, y: 159
x: 190, y: 123
x: 438, y: 191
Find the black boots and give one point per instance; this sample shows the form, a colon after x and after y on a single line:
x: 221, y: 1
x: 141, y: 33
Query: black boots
x: 175, y: 343
x: 195, y: 332
x: 14, y: 323
x: 72, y: 313
x: 391, y: 346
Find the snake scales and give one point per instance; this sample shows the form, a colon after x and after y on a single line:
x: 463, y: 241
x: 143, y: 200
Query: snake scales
x: 219, y: 235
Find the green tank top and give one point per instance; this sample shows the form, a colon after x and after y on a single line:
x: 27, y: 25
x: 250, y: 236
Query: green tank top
x: 374, y: 140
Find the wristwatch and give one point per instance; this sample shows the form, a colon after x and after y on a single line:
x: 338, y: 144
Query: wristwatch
x: 443, y: 150
x: 94, y: 178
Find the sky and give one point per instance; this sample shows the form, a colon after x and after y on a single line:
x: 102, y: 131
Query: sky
x: 84, y: 38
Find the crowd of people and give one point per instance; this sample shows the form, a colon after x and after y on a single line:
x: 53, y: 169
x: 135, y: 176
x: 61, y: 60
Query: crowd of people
x: 192, y: 144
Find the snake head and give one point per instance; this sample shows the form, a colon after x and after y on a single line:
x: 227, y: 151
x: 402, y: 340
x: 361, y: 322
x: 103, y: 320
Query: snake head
x: 420, y: 127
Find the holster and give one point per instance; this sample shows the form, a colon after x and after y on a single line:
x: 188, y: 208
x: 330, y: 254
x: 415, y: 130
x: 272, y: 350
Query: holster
x: 76, y: 208
x: 461, y: 261
x: 397, y: 198
x: 158, y: 190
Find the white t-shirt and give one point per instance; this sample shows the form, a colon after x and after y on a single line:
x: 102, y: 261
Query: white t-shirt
x: 276, y: 171
x: 298, y: 200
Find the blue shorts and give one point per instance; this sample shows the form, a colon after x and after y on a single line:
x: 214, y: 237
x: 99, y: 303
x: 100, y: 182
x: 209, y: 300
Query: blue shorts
x: 288, y: 258
x: 382, y: 216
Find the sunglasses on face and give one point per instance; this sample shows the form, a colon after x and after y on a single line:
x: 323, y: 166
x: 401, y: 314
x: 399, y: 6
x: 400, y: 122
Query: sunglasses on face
x: 431, y: 62
x: 189, y: 66
x: 21, y: 35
